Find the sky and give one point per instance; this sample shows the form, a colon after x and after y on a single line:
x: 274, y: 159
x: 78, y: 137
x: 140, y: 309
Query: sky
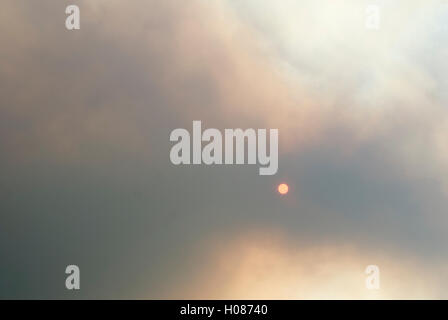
x: 86, y: 178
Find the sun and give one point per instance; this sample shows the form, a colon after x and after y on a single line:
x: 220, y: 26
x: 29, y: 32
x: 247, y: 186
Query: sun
x: 283, y: 188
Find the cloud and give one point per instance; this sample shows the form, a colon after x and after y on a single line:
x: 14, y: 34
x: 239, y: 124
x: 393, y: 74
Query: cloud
x: 256, y: 266
x: 84, y: 131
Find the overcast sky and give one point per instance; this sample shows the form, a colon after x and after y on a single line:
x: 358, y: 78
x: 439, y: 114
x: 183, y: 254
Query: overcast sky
x: 86, y: 179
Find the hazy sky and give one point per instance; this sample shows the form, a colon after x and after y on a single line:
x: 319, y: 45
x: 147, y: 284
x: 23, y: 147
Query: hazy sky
x: 86, y: 179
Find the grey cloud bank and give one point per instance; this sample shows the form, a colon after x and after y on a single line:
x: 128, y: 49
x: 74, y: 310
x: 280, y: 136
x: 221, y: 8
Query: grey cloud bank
x: 85, y: 116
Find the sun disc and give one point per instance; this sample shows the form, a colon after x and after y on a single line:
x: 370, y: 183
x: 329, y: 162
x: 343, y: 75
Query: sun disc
x: 283, y: 188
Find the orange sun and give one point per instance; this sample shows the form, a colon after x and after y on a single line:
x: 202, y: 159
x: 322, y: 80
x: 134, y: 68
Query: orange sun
x: 283, y: 188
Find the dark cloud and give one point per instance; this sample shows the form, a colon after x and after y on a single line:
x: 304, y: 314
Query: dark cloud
x: 84, y: 131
